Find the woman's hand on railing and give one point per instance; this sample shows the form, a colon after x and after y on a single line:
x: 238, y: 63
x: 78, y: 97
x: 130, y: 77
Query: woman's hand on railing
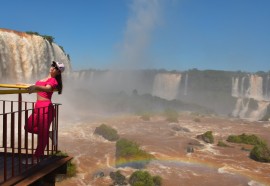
x: 31, y: 89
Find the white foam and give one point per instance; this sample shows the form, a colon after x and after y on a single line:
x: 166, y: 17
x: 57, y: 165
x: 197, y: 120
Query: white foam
x: 255, y: 183
x: 80, y: 175
x: 225, y: 170
x: 209, y: 148
x: 107, y: 156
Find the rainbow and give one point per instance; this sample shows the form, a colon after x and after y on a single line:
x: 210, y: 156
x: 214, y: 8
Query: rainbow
x: 196, y: 162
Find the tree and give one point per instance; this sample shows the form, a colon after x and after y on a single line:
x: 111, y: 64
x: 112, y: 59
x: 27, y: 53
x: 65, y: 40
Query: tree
x: 141, y: 178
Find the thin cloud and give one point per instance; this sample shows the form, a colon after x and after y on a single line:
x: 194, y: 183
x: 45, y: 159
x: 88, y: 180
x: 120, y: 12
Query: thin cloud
x: 142, y: 21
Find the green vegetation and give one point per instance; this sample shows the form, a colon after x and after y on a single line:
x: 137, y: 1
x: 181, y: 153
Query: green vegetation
x: 245, y: 149
x: 260, y: 152
x: 48, y: 38
x: 197, y: 120
x: 207, y: 137
x: 32, y: 33
x: 107, y: 132
x: 130, y: 154
x: 222, y: 144
x: 137, y: 178
x: 118, y: 178
x: 145, y: 116
x: 171, y: 115
x: 60, y: 153
x: 137, y: 103
x: 144, y: 178
x: 244, y: 138
x: 157, y: 180
x: 62, y: 48
x: 71, y: 167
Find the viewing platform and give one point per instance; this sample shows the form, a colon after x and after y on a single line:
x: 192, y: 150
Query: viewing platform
x: 17, y: 147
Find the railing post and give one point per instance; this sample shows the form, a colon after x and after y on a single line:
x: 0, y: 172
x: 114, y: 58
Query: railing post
x: 5, y: 145
x: 17, y: 143
x: 4, y: 110
x: 19, y: 128
x: 12, y: 131
x: 56, y: 125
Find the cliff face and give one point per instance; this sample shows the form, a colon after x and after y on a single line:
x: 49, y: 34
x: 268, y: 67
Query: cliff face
x: 26, y: 58
x: 238, y: 94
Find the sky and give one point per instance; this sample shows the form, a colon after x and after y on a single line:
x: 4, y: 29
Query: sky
x: 228, y: 35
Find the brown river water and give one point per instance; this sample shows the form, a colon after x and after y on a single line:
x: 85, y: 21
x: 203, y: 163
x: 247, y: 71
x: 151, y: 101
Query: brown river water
x: 208, y: 165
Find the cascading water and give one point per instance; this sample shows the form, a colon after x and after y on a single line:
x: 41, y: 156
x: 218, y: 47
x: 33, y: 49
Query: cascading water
x: 25, y: 57
x: 256, y: 87
x: 267, y: 92
x: 186, y: 84
x: 254, y: 92
x: 166, y: 85
x: 243, y: 90
x: 235, y: 91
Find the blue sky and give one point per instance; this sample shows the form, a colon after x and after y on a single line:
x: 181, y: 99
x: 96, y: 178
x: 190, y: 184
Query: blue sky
x: 151, y: 34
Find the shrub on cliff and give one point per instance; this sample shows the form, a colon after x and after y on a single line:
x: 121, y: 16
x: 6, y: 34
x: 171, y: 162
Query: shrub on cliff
x: 141, y: 178
x: 128, y: 153
x: 244, y: 138
x: 32, y: 33
x: 48, y: 38
x: 107, y: 132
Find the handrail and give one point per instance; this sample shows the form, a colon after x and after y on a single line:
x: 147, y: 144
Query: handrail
x: 15, y: 143
x: 20, y: 89
x: 14, y: 85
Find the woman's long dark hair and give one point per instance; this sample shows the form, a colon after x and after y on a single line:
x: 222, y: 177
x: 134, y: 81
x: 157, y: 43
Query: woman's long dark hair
x: 60, y: 84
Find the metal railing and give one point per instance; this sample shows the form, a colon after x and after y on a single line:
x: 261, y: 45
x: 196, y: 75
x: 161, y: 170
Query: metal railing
x: 17, y: 145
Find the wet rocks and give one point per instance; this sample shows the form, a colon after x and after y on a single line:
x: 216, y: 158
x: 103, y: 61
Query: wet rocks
x: 180, y: 129
x: 190, y: 149
x: 206, y: 137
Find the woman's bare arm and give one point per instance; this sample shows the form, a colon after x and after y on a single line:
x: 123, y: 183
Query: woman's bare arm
x: 47, y: 88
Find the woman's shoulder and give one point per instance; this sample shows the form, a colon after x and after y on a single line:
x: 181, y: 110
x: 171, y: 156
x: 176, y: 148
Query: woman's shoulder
x: 52, y: 81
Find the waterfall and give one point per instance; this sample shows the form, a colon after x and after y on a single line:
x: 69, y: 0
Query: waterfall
x: 243, y: 91
x: 254, y: 91
x: 256, y: 87
x: 241, y: 108
x: 166, y: 85
x: 261, y: 111
x: 25, y: 58
x: 244, y: 108
x: 186, y: 84
x: 267, y: 95
x: 235, y: 92
x: 237, y: 108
